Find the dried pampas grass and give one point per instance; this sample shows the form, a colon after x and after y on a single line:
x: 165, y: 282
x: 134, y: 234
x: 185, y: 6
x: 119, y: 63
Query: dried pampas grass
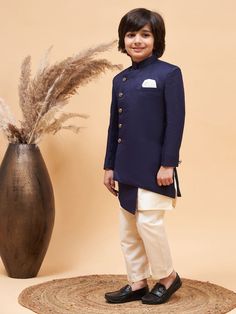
x: 42, y: 97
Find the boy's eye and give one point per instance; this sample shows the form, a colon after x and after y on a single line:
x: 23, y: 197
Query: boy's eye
x: 130, y: 35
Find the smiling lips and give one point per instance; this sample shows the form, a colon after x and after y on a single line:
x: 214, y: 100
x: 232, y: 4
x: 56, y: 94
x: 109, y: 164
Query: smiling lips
x: 137, y: 49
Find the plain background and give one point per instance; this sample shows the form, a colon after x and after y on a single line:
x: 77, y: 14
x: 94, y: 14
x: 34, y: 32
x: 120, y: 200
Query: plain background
x: 201, y: 40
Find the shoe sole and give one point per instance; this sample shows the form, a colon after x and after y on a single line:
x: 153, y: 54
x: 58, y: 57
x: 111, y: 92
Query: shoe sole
x: 166, y: 298
x: 123, y: 301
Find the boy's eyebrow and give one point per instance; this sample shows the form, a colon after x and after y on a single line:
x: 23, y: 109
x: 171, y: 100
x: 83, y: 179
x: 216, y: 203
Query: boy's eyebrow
x: 143, y: 30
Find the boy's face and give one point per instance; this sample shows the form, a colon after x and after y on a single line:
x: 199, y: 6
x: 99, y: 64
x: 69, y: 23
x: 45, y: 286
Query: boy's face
x: 139, y: 44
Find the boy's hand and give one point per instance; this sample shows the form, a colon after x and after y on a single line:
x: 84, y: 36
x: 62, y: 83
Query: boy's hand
x: 109, y: 182
x: 165, y: 175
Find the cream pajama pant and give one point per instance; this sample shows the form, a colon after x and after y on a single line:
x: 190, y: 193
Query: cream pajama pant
x: 143, y: 238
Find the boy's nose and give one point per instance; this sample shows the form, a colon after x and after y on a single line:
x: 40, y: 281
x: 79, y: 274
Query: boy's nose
x: 137, y: 39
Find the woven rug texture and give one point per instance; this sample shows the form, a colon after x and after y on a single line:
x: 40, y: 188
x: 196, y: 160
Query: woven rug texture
x: 85, y: 295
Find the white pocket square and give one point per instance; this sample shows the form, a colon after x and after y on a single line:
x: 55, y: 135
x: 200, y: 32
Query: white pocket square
x: 149, y: 83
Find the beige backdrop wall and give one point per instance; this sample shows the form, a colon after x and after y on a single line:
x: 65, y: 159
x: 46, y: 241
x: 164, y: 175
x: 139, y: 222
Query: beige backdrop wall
x: 201, y: 40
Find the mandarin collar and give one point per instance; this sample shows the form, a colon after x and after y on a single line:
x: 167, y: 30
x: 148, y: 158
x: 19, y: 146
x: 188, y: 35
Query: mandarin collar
x: 144, y: 63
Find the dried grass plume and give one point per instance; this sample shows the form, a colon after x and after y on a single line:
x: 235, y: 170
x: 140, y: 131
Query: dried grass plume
x: 42, y: 97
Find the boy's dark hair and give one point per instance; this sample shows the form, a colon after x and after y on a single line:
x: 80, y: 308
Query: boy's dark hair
x: 135, y: 19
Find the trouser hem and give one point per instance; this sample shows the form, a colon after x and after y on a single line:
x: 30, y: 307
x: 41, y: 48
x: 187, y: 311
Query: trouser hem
x: 138, y: 277
x: 162, y: 274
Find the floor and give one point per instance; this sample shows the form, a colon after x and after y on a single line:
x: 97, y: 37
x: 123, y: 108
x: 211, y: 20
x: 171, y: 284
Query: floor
x: 10, y: 289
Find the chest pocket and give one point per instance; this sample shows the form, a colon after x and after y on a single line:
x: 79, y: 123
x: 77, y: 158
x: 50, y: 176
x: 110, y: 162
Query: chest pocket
x: 149, y: 86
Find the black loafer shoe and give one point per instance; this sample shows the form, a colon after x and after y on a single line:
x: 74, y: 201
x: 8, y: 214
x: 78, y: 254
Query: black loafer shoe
x: 125, y: 294
x: 159, y: 294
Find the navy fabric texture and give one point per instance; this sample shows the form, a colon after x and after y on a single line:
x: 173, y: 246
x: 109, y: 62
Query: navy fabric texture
x: 128, y: 197
x: 145, y: 128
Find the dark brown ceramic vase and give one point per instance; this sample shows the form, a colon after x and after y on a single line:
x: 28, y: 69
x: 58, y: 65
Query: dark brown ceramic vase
x: 26, y: 210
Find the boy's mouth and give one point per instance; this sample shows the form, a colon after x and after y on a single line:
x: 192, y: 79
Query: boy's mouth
x: 136, y: 49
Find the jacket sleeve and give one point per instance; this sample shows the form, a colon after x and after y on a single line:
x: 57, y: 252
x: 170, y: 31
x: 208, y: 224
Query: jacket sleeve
x: 112, y: 135
x: 175, y: 116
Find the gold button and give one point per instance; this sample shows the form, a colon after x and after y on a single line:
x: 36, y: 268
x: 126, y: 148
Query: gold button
x: 121, y: 94
x: 124, y: 79
x: 120, y: 125
x: 119, y: 140
x: 120, y: 110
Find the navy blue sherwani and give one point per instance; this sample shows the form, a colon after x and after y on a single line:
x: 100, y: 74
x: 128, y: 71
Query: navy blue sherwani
x: 146, y: 127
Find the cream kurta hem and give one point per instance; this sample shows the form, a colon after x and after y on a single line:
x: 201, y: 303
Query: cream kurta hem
x: 148, y: 200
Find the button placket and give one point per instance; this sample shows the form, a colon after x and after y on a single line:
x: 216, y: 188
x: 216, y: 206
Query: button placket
x: 120, y: 110
x: 120, y: 125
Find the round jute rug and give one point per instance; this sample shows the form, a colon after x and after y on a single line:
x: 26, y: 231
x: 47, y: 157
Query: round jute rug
x: 85, y: 294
